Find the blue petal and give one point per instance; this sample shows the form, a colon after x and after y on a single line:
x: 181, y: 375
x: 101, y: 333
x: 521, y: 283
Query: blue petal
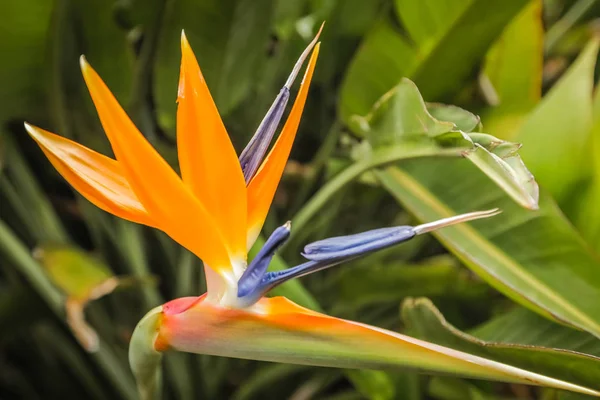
x: 252, y: 156
x: 257, y: 268
x: 329, y: 252
x: 355, y: 245
x: 254, y: 152
x: 322, y: 254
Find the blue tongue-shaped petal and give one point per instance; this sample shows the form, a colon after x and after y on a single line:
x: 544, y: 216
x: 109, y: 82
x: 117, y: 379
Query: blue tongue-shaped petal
x: 258, y: 267
x: 360, y: 243
x: 329, y: 252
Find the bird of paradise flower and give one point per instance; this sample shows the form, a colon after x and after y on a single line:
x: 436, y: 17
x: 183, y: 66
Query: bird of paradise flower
x: 216, y: 209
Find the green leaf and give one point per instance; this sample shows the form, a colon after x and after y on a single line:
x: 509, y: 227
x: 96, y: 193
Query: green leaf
x: 26, y: 199
x: 401, y: 117
x: 82, y: 279
x: 509, y: 173
x: 73, y: 271
x: 375, y: 385
x: 424, y: 319
x: 586, y: 213
x: 230, y: 41
x: 462, y: 119
x: 557, y: 132
x: 384, y: 128
x: 513, y: 66
x: 443, y: 42
x: 512, y: 75
x: 23, y: 27
x: 522, y: 327
x: 89, y: 30
x: 527, y: 255
x: 444, y: 388
x: 389, y: 281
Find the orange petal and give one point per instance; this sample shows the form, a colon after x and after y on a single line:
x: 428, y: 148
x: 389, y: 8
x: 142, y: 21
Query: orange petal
x: 209, y: 164
x: 264, y: 184
x: 98, y: 178
x: 173, y: 207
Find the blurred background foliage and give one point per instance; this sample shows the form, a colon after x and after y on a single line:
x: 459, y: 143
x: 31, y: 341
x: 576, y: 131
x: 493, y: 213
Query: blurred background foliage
x: 527, y: 67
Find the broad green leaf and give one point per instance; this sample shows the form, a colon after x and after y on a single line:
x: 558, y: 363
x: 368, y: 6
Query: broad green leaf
x: 230, y: 41
x: 388, y: 281
x: 73, y: 271
x: 429, y: 324
x: 509, y: 173
x: 527, y: 255
x: 81, y: 278
x: 443, y: 42
x: 556, y: 135
x: 401, y: 117
x: 522, y: 327
x: 23, y: 29
x: 383, y: 129
x: 586, y: 212
x: 462, y: 119
x: 512, y: 75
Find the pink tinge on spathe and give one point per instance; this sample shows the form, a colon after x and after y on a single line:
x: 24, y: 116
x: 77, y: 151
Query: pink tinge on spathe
x: 180, y: 305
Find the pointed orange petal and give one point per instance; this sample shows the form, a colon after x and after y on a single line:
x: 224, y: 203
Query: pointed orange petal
x: 98, y: 178
x: 173, y: 207
x: 208, y: 161
x: 264, y: 184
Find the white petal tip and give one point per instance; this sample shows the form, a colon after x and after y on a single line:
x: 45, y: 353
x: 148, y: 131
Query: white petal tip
x: 457, y: 219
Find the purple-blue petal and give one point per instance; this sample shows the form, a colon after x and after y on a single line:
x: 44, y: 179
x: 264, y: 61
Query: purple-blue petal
x: 322, y: 254
x: 255, y: 151
x: 252, y: 156
x: 252, y: 276
x: 358, y: 244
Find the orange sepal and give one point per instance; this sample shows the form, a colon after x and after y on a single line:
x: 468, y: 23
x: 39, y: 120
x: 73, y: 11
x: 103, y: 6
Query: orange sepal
x: 208, y: 161
x: 172, y: 205
x: 98, y: 178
